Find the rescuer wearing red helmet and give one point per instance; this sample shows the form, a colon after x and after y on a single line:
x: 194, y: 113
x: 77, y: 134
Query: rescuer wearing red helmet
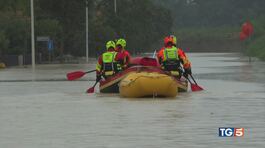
x: 172, y: 58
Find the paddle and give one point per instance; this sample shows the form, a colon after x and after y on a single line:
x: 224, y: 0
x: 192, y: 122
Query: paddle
x: 77, y: 74
x: 92, y: 89
x: 194, y: 87
x: 154, y: 54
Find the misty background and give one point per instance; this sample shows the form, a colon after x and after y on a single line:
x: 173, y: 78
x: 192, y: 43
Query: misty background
x: 200, y: 26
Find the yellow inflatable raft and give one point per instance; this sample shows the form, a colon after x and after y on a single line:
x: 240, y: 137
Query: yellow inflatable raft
x: 146, y: 84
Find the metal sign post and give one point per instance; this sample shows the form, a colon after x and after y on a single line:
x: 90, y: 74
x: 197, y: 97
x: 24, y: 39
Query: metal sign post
x: 50, y: 48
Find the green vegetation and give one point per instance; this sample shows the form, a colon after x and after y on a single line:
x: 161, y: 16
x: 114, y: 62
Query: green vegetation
x: 256, y: 43
x: 218, y: 21
x: 218, y: 33
x: 14, y: 32
x: 143, y: 23
x: 257, y: 48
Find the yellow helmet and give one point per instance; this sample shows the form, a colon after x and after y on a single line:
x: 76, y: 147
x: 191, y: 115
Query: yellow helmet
x: 110, y: 44
x: 121, y: 42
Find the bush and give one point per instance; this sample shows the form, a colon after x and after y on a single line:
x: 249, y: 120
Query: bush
x: 257, y: 48
x: 256, y: 44
x: 15, y: 33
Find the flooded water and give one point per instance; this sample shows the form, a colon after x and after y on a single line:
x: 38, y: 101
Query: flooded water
x: 40, y: 109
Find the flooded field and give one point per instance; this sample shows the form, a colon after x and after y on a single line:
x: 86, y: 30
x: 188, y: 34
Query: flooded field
x: 41, y: 109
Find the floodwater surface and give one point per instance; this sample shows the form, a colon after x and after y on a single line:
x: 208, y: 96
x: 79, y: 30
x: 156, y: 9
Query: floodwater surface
x: 40, y: 109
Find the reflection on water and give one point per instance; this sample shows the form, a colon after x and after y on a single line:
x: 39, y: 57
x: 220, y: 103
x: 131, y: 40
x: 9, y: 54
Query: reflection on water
x: 59, y: 114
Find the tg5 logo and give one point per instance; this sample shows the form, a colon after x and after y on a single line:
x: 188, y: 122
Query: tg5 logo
x: 231, y: 132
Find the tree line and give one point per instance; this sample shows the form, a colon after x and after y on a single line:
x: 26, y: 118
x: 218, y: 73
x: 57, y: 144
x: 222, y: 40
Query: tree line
x: 219, y: 21
x: 141, y: 23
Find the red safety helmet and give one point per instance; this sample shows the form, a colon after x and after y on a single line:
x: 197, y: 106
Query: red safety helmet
x: 168, y: 40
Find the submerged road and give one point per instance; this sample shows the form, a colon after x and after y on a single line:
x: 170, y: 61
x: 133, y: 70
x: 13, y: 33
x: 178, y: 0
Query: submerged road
x: 40, y: 109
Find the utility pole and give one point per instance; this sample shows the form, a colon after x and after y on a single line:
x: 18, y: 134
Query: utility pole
x: 115, y: 7
x: 32, y: 36
x: 87, y: 31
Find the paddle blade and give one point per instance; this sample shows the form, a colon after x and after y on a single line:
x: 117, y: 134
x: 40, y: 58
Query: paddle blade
x: 75, y: 75
x: 195, y: 87
x: 91, y: 90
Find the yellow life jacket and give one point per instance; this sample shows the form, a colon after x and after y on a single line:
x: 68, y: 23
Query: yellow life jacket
x: 110, y: 65
x: 171, y: 61
x: 171, y: 54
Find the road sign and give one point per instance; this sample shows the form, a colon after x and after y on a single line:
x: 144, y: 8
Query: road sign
x: 50, y: 45
x: 43, y: 38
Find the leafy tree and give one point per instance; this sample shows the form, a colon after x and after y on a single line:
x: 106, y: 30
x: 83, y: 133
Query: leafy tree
x: 3, y: 42
x: 141, y: 22
x: 71, y: 16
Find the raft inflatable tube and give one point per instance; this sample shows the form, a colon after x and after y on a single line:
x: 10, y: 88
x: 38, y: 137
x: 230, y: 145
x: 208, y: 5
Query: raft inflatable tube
x: 148, y: 84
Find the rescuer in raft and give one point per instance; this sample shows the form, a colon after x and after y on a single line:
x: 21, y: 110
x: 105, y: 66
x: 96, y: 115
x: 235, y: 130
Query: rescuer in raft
x: 108, y: 62
x: 123, y: 55
x: 171, y: 58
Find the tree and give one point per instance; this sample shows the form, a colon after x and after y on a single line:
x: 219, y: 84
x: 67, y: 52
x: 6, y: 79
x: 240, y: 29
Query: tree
x: 142, y: 23
x: 3, y: 42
